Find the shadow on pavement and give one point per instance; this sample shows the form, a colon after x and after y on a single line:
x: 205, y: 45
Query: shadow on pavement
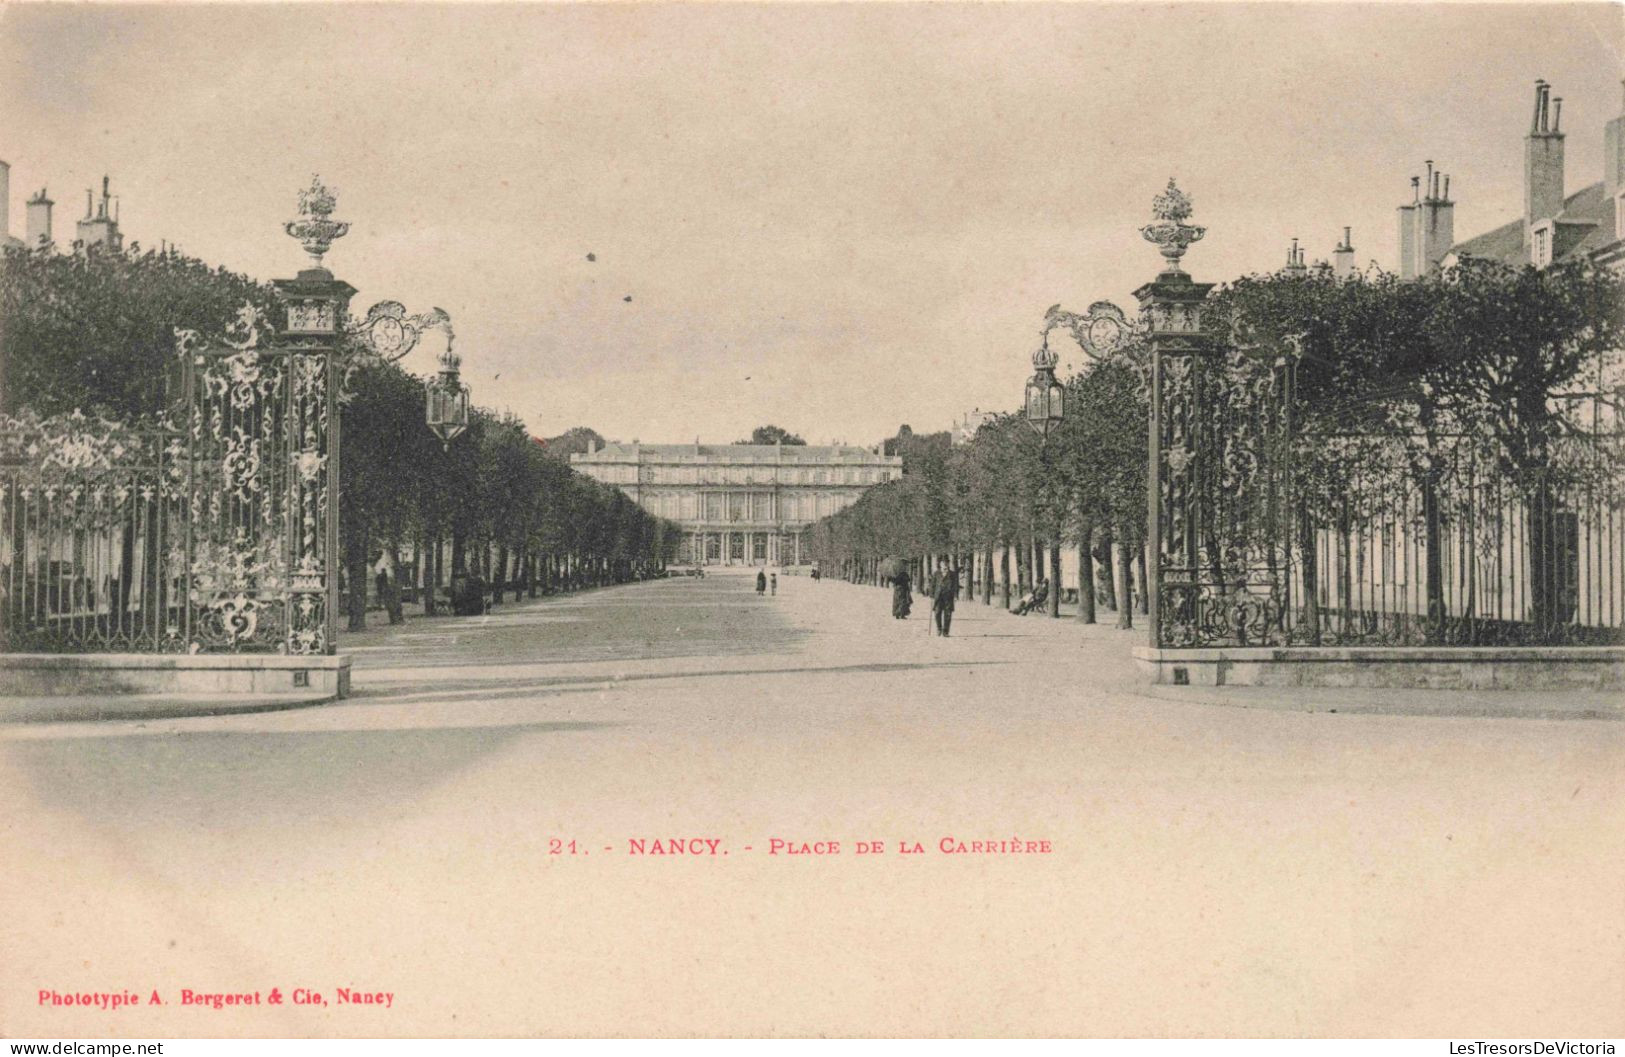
x: 226, y: 779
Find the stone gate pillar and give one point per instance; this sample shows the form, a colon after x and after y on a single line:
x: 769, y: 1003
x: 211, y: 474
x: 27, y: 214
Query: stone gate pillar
x: 1171, y: 307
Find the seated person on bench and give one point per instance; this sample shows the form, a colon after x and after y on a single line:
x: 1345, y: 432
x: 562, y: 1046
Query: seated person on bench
x: 1034, y: 599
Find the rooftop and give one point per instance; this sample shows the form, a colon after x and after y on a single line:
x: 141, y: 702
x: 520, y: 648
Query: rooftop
x: 738, y: 452
x: 1587, y: 206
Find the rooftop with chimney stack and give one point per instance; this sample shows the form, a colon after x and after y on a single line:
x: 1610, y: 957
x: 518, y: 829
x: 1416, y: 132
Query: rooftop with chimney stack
x: 99, y: 228
x: 1295, y: 263
x: 1427, y: 224
x: 1556, y: 226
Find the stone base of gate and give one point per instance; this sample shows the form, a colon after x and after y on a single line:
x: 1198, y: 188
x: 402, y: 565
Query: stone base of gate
x: 222, y: 674
x: 1396, y: 667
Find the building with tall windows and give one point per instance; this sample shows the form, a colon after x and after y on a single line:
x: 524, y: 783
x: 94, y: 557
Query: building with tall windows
x: 740, y: 504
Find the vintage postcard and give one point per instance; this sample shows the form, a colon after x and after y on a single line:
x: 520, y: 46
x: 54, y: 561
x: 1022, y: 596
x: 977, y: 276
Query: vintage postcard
x: 1096, y: 520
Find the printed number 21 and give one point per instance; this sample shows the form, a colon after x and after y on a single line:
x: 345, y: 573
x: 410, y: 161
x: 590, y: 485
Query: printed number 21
x: 559, y: 847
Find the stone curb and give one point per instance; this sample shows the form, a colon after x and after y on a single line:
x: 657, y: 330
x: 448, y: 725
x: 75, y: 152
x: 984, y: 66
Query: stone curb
x: 90, y: 708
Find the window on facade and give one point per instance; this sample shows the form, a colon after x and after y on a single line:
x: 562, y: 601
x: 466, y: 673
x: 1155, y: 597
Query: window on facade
x: 762, y: 503
x: 1542, y: 247
x: 714, y: 506
x: 737, y: 510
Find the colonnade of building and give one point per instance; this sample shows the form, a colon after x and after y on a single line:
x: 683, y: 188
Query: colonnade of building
x: 734, y: 546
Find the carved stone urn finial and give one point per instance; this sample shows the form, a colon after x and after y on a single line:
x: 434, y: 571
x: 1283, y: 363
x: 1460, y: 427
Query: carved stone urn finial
x: 316, y: 229
x: 1169, y: 232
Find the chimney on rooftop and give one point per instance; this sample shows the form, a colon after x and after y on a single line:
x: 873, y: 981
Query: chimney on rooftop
x: 100, y: 228
x: 1427, y: 224
x: 39, y: 220
x: 1294, y: 260
x: 1343, y: 257
x: 1542, y: 162
x: 1613, y: 155
x: 1407, y: 231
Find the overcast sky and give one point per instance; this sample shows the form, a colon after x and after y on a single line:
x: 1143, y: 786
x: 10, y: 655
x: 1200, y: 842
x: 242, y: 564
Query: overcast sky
x: 835, y: 219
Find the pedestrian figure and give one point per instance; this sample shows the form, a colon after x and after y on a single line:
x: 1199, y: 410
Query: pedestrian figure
x: 773, y: 583
x: 902, y: 599
x: 761, y: 582
x: 942, y: 606
x: 1031, y: 602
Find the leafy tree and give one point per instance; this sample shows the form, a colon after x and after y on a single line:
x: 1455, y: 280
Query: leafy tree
x: 575, y: 441
x: 385, y: 446
x: 771, y: 435
x: 93, y: 331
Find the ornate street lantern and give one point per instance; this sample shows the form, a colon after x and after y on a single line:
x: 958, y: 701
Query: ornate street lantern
x: 388, y: 333
x: 447, y: 411
x: 1045, y: 396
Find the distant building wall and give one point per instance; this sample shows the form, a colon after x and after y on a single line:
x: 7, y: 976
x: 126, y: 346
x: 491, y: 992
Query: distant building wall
x: 740, y: 504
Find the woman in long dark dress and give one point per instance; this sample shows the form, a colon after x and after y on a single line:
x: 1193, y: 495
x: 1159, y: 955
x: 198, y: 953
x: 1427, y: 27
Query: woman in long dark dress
x: 902, y: 599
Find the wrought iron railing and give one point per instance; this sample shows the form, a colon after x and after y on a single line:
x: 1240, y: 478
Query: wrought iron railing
x: 1279, y: 527
x: 88, y: 540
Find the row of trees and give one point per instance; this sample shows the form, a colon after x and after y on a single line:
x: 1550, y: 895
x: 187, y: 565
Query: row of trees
x: 93, y: 333
x: 1481, y: 358
x: 1001, y: 507
x: 499, y: 504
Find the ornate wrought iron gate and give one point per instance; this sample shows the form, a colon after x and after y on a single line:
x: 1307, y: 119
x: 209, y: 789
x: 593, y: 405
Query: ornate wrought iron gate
x: 209, y: 528
x: 260, y: 477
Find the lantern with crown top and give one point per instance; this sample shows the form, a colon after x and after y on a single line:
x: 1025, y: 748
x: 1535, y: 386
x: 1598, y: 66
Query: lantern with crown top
x: 1046, y: 398
x: 447, y: 411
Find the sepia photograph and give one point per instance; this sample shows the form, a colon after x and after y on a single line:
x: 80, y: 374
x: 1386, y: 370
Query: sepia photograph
x: 862, y: 520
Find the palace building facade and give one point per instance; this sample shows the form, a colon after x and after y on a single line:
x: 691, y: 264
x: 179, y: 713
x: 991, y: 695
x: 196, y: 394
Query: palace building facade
x: 740, y: 504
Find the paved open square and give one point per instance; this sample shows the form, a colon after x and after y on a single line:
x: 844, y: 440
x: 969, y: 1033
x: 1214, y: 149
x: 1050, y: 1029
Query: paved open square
x: 532, y: 821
